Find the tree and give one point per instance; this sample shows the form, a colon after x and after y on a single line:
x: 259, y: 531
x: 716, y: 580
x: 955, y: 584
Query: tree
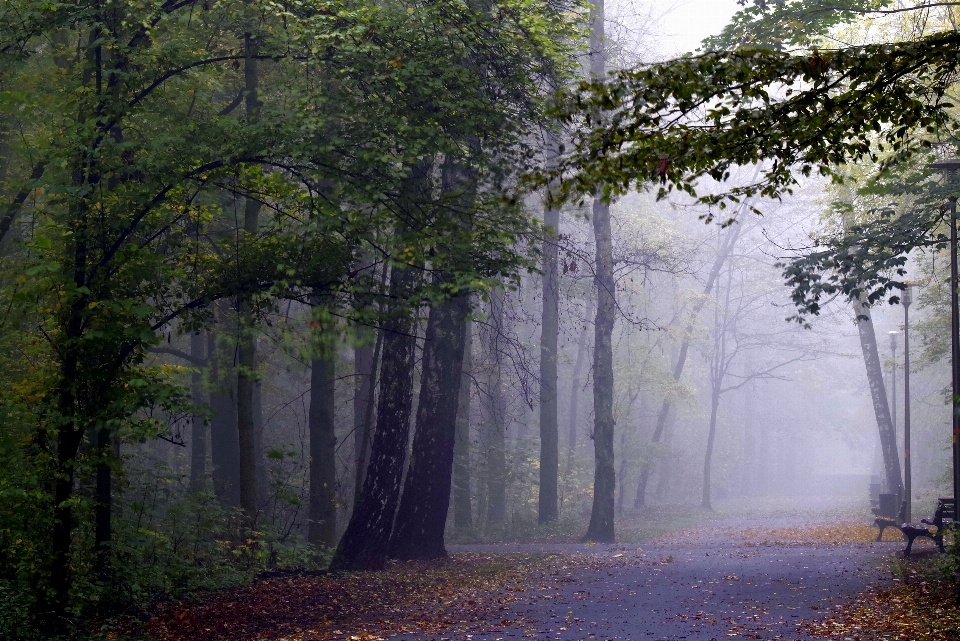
x: 704, y: 115
x: 462, y: 477
x: 601, y: 526
x: 662, y: 417
x: 547, y: 502
x: 422, y: 515
x: 322, y: 530
x: 739, y: 330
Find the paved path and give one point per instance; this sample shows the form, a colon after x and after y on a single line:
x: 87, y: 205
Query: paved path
x: 705, y: 587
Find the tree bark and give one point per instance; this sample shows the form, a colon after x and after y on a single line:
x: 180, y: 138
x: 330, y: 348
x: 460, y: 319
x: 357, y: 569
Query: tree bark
x: 247, y: 351
x: 494, y: 423
x: 362, y: 399
x: 462, y: 503
x: 263, y: 483
x: 322, y: 531
x: 711, y: 437
x: 422, y: 516
x: 888, y: 435
x: 601, y: 528
x: 665, y: 465
x: 364, y: 543
x: 224, y: 444
x: 198, y: 425
x: 547, y: 503
x: 363, y: 455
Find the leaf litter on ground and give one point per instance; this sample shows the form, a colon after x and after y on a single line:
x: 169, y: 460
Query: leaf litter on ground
x: 416, y: 596
x: 475, y: 592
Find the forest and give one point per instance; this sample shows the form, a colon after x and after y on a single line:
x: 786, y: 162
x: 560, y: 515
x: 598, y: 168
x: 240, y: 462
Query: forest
x: 300, y: 288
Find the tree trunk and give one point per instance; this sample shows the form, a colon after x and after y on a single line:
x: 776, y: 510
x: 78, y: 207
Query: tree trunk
x: 724, y: 252
x: 665, y: 465
x: 69, y: 438
x: 364, y: 543
x: 363, y: 455
x: 711, y: 437
x: 103, y: 496
x: 362, y: 399
x: 224, y: 444
x: 888, y: 435
x: 547, y: 506
x: 246, y: 373
x: 322, y: 531
x: 422, y: 516
x: 601, y: 527
x: 198, y: 426
x: 263, y: 484
x: 494, y: 423
x: 462, y: 507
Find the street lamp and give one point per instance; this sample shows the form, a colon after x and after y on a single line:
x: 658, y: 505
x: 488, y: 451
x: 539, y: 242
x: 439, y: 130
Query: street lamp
x: 906, y: 300
x: 950, y: 168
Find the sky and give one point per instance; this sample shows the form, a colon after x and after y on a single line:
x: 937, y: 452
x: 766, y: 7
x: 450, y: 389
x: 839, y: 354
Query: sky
x: 684, y: 23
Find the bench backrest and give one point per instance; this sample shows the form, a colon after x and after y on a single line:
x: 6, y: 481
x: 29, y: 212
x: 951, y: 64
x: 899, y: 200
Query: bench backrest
x: 944, y: 513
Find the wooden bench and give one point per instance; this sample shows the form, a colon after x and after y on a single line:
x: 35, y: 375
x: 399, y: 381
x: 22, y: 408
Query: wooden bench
x: 883, y: 521
x: 942, y: 519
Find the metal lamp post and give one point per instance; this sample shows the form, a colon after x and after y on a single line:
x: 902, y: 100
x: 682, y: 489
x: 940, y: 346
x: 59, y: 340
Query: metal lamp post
x: 906, y: 300
x: 950, y: 169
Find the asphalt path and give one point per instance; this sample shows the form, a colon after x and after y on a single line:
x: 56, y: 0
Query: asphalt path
x: 705, y: 586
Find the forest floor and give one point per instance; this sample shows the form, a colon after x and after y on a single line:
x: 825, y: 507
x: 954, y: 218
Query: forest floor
x: 791, y: 575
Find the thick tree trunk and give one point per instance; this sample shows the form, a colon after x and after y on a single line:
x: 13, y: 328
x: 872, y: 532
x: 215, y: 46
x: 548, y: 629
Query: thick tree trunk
x: 322, y: 531
x: 364, y: 543
x: 711, y: 437
x: 601, y: 527
x: 362, y: 399
x: 547, y: 505
x: 888, y: 435
x: 363, y: 454
x: 68, y: 444
x: 246, y: 415
x: 247, y: 351
x: 494, y: 423
x: 724, y: 252
x: 198, y: 426
x: 462, y: 504
x: 224, y: 444
x: 263, y: 484
x: 422, y: 516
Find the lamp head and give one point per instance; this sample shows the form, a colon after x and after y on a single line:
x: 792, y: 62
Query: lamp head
x: 949, y: 168
x: 906, y: 298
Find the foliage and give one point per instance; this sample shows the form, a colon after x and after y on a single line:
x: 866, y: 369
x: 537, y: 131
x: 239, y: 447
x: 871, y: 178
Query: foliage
x: 679, y: 122
x: 403, y: 598
x: 682, y: 120
x: 920, y: 605
x: 134, y: 138
x: 783, y: 24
